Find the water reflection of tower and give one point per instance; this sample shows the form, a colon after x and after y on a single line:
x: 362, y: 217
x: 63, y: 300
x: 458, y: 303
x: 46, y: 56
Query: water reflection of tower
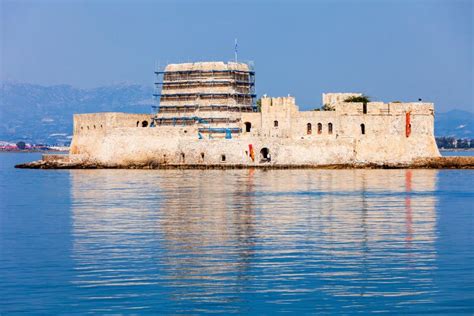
x: 198, y: 231
x: 245, y: 219
x: 209, y: 231
x: 192, y: 230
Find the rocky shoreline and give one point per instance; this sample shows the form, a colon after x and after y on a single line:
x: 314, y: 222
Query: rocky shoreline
x: 453, y: 162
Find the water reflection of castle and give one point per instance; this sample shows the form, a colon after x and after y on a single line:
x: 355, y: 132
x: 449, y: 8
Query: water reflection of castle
x: 204, y: 233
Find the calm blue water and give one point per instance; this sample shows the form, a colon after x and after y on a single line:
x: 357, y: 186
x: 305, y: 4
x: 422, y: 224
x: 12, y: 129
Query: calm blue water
x: 243, y: 241
x: 458, y: 153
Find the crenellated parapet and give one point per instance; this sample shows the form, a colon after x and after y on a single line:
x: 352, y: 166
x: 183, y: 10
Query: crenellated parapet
x: 330, y: 99
x: 207, y: 116
x: 102, y: 122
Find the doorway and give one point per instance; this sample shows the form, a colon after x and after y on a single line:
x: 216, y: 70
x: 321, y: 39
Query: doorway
x: 265, y: 155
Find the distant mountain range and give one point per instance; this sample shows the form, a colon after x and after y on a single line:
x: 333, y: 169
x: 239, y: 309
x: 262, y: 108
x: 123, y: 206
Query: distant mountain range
x: 43, y: 114
x: 455, y: 123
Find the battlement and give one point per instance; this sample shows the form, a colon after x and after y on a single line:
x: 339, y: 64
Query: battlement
x: 337, y: 102
x: 278, y: 101
x: 381, y: 108
x: 207, y: 115
x: 279, y: 104
x: 333, y: 98
x: 99, y: 123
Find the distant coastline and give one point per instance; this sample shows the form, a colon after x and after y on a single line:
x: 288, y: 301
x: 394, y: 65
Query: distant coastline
x: 26, y: 151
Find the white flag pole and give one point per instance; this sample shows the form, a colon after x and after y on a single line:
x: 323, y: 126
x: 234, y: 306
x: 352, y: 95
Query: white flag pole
x: 235, y: 51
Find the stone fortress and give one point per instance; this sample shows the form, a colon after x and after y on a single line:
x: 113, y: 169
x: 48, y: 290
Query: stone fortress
x: 207, y: 115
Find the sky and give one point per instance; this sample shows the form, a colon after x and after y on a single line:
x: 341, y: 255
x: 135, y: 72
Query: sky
x: 390, y: 50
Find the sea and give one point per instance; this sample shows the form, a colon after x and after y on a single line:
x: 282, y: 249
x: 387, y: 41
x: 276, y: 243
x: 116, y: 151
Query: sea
x: 188, y: 242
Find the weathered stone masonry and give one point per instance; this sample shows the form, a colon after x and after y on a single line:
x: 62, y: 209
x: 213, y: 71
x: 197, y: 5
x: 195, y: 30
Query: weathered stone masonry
x: 182, y: 133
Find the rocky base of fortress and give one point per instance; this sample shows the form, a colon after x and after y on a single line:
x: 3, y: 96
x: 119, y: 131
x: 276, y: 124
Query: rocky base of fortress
x: 63, y: 162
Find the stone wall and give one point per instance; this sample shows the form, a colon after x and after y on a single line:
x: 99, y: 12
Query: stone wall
x: 332, y: 98
x: 280, y: 129
x: 92, y: 129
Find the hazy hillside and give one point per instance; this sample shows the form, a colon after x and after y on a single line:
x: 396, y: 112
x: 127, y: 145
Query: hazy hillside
x: 456, y: 123
x: 43, y: 114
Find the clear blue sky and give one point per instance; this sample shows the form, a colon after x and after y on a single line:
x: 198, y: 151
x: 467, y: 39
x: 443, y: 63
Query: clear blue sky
x: 390, y: 50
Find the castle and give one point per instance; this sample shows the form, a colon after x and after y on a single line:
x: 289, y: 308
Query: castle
x: 207, y: 115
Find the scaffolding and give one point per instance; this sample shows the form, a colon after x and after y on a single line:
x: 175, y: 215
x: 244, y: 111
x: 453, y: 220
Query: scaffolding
x: 205, y: 94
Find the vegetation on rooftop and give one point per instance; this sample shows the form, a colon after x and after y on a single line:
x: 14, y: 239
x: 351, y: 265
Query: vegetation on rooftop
x: 362, y: 98
x: 325, y: 107
x: 328, y: 107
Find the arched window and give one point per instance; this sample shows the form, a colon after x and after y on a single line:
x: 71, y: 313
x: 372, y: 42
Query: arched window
x: 320, y: 128
x: 362, y: 128
x: 308, y: 129
x: 275, y: 123
x: 364, y: 108
x: 223, y: 158
x: 138, y: 123
x: 330, y: 128
x: 144, y: 123
x: 248, y: 127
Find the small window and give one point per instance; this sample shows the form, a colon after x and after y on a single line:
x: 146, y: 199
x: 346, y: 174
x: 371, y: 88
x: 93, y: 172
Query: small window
x: 202, y: 156
x: 182, y: 157
x: 82, y: 127
x: 144, y: 123
x: 138, y: 123
x: 223, y: 158
x: 308, y: 129
x: 320, y: 128
x: 94, y: 126
x: 330, y: 128
x: 248, y: 127
x: 364, y: 108
x: 275, y: 123
x: 362, y: 129
x: 87, y: 126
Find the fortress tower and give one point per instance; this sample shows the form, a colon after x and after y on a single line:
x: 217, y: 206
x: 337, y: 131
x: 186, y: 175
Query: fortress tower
x: 206, y: 116
x: 210, y: 94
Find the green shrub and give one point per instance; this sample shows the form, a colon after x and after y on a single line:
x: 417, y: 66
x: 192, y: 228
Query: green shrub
x: 363, y: 99
x: 327, y: 107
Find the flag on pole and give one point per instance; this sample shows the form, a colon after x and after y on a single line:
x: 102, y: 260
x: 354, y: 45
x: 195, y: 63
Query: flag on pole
x: 235, y: 50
